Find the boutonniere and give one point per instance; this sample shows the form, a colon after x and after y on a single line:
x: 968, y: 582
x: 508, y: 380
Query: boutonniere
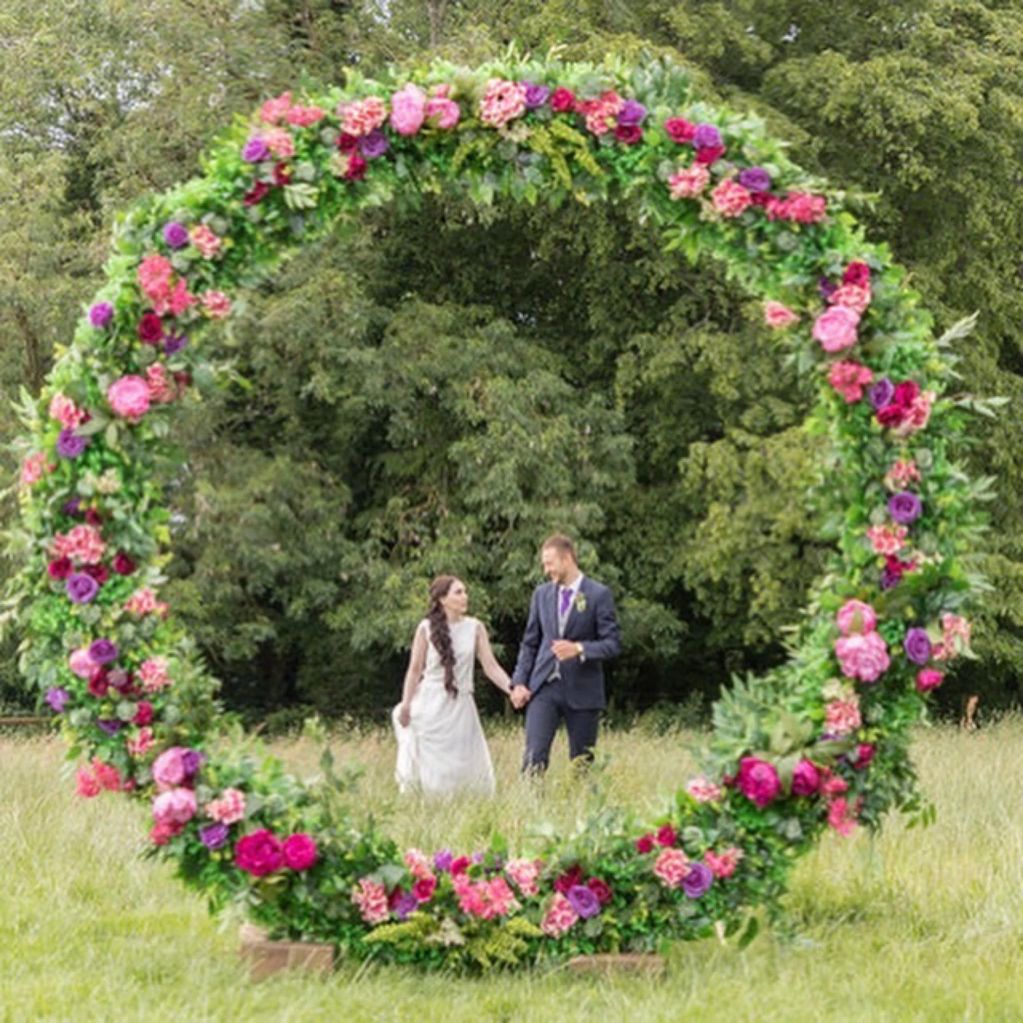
x: 580, y: 602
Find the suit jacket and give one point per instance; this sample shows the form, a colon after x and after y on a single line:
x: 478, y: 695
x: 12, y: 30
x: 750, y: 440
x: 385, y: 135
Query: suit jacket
x: 595, y: 625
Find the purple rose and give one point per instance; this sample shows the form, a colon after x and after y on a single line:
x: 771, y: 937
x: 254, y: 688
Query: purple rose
x: 707, y: 136
x: 917, y: 645
x: 583, y: 900
x: 191, y: 761
x: 81, y: 588
x: 756, y: 179
x: 175, y: 234
x: 214, y: 836
x: 442, y: 860
x: 57, y: 698
x: 103, y: 652
x: 110, y: 725
x: 698, y: 880
x: 70, y: 445
x: 536, y: 95
x: 904, y: 507
x: 633, y: 114
x: 404, y: 904
x: 101, y: 314
x: 174, y: 343
x: 880, y: 394
x: 374, y: 144
x: 255, y: 150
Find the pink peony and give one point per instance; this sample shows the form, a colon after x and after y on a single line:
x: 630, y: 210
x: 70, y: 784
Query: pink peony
x: 173, y: 767
x: 442, y: 112
x: 258, y: 853
x: 408, y: 110
x: 362, y: 116
x: 299, y: 851
x: 864, y: 657
x: 723, y: 864
x: 524, y: 873
x: 843, y: 716
x: 129, y: 398
x: 371, y: 898
x: 174, y: 807
x: 689, y: 182
x: 855, y: 616
x: 228, y: 808
x: 559, y: 918
x: 730, y: 198
x: 502, y: 102
x: 703, y: 790
x: 758, y: 780
x: 928, y: 679
x: 849, y: 379
x: 841, y: 817
x: 835, y: 328
x: 205, y: 241
x: 778, y: 316
x: 216, y: 304
x: 805, y: 778
x: 671, y: 866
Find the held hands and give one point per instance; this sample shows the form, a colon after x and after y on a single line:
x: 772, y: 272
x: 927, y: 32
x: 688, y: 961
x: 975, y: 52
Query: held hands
x: 519, y: 696
x: 404, y: 715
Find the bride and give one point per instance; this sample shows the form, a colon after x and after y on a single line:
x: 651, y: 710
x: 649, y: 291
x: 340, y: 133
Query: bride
x: 441, y: 748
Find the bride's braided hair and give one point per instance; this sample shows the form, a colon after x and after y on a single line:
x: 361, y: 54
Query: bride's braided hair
x: 440, y: 630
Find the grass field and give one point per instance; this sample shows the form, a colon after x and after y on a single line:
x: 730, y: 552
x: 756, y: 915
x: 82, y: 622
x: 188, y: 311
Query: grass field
x: 918, y: 925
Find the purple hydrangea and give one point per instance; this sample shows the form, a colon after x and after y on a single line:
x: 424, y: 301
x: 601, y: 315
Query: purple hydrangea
x: 174, y: 343
x: 374, y: 144
x: 255, y: 150
x: 698, y: 880
x: 101, y: 314
x: 58, y: 699
x: 917, y: 645
x: 536, y: 95
x: 405, y: 904
x: 905, y: 507
x: 214, y: 836
x: 442, y: 860
x: 175, y: 234
x: 81, y: 588
x: 70, y: 444
x: 756, y: 179
x: 706, y: 136
x: 110, y: 725
x: 880, y: 394
x: 633, y: 114
x: 583, y: 900
x: 102, y: 651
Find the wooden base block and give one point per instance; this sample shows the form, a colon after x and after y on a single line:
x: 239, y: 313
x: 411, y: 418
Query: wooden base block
x: 649, y: 964
x: 267, y: 957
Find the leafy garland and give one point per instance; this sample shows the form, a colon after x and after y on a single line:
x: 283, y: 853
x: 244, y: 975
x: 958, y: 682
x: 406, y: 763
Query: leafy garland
x: 819, y: 743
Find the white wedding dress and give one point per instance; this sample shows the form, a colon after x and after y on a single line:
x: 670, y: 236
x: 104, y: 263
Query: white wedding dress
x: 443, y: 749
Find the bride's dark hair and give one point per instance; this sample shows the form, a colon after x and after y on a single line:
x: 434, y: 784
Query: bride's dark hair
x: 440, y: 631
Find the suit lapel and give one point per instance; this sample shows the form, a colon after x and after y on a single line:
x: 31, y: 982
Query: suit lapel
x: 552, y: 608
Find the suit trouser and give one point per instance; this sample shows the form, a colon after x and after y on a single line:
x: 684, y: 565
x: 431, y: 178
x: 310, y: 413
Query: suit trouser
x: 544, y: 712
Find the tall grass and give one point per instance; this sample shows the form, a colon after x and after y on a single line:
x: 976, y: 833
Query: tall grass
x: 918, y: 925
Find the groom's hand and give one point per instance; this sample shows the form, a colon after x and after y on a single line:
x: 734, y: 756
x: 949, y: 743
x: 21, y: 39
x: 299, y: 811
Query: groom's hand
x: 565, y: 649
x: 519, y: 696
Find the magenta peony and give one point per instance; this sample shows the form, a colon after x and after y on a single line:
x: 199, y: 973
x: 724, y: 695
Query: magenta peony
x: 258, y: 853
x: 299, y: 851
x: 805, y: 778
x: 758, y: 781
x: 928, y: 679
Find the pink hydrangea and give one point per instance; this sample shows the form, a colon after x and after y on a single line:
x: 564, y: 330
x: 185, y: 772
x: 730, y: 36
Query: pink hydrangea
x: 143, y: 602
x: 174, y: 807
x: 34, y: 468
x: 855, y: 616
x: 849, y: 379
x: 671, y: 866
x: 441, y: 110
x: 778, y: 316
x: 66, y: 412
x: 86, y: 784
x: 299, y: 851
x: 362, y: 116
x: 154, y: 275
x: 723, y: 864
x: 153, y: 674
x: 502, y: 102
x: 841, y: 717
x: 955, y: 635
x: 559, y: 918
x: 901, y: 475
x: 888, y: 539
x: 408, y: 110
x: 798, y: 207
x: 228, y: 807
x: 129, y: 397
x: 703, y: 790
x: 524, y: 873
x: 484, y: 899
x: 852, y: 296
x: 371, y: 898
x: 216, y: 304
x: 689, y: 182
x: 730, y: 198
x: 205, y: 241
x: 863, y: 657
x: 82, y: 544
x: 758, y: 780
x: 835, y: 328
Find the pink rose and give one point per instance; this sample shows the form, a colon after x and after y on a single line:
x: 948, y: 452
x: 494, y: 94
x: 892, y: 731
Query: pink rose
x: 299, y: 851
x: 758, y: 781
x: 855, y: 616
x: 671, y: 867
x: 778, y: 316
x: 408, y: 109
x: 805, y: 778
x: 129, y: 398
x: 258, y: 853
x: 864, y: 657
x: 928, y: 679
x: 174, y: 807
x: 835, y: 328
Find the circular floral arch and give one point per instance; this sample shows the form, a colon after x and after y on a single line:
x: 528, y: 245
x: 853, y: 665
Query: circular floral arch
x: 819, y: 743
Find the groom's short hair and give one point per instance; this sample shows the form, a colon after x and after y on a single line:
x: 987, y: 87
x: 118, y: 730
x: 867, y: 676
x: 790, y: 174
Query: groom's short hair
x: 561, y: 543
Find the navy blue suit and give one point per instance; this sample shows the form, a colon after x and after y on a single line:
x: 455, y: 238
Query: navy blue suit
x: 577, y: 695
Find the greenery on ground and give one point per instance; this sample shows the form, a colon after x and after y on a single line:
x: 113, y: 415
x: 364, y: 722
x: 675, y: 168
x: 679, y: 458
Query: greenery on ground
x: 917, y: 925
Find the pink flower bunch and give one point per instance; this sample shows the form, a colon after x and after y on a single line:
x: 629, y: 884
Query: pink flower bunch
x: 363, y: 116
x: 206, y: 241
x: 66, y: 412
x: 174, y: 808
x: 907, y: 410
x: 863, y: 656
x: 928, y: 679
x: 731, y: 199
x: 502, y: 101
x: 901, y: 475
x: 888, y: 539
x: 163, y: 388
x: 97, y: 777
x: 671, y: 866
x: 560, y: 917
x: 778, y: 316
x: 841, y: 816
x: 955, y: 637
x: 408, y: 110
x: 153, y: 674
x: 703, y: 790
x: 689, y: 182
x: 129, y: 397
x: 371, y: 898
x: 281, y: 108
x: 34, y: 468
x: 723, y: 864
x: 758, y: 781
x: 442, y: 111
x: 797, y: 208
x: 484, y: 899
x: 167, y: 294
x: 228, y: 807
x: 418, y: 863
x: 82, y: 544
x: 601, y: 114
x: 842, y: 717
x: 849, y: 379
x: 524, y: 873
x: 216, y: 304
x: 261, y: 852
x: 139, y: 744
x: 855, y: 616
x: 836, y: 328
x: 143, y: 602
x: 280, y: 142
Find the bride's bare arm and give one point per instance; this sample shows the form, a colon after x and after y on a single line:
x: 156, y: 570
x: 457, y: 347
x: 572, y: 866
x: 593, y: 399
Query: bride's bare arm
x: 414, y: 674
x: 488, y: 662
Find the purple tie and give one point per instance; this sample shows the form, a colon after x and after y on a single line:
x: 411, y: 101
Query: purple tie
x: 566, y: 600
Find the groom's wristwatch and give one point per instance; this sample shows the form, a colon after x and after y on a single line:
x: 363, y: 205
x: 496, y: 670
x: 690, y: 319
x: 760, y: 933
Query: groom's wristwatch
x: 581, y: 651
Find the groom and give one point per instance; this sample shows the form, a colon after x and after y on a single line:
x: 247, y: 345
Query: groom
x: 572, y: 629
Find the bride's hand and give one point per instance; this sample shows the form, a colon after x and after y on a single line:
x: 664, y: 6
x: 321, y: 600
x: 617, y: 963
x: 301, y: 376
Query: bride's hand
x: 404, y: 715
